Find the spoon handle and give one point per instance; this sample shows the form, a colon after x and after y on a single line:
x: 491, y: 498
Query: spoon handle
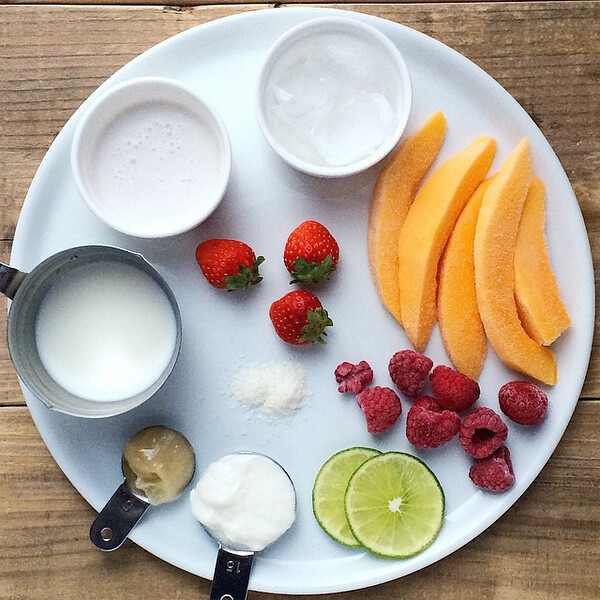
x: 10, y: 280
x: 232, y: 573
x: 114, y: 522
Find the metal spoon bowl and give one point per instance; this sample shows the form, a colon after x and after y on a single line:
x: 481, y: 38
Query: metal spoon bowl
x: 124, y: 509
x: 233, y: 565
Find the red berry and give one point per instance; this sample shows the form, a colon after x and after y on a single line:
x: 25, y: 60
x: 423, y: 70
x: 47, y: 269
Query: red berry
x: 299, y: 318
x: 495, y: 472
x: 428, y: 425
x: 228, y: 264
x: 523, y: 402
x: 408, y: 370
x: 353, y: 378
x: 482, y: 432
x: 452, y: 389
x: 311, y: 253
x: 381, y: 406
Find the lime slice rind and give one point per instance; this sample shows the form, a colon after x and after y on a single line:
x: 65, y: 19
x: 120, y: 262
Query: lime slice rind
x: 329, y: 490
x: 418, y: 516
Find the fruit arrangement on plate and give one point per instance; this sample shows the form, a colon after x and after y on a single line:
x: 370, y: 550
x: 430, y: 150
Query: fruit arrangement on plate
x: 471, y: 237
x: 287, y: 349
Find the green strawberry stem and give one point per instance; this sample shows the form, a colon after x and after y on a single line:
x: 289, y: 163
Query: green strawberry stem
x: 318, y: 320
x: 312, y: 272
x: 246, y: 278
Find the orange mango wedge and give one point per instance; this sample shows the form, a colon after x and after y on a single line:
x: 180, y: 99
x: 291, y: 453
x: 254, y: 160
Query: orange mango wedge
x: 426, y: 230
x: 460, y: 325
x: 540, y: 308
x: 494, y: 252
x: 394, y: 192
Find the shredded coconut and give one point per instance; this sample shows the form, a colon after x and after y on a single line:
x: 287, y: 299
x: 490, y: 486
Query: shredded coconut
x: 278, y: 388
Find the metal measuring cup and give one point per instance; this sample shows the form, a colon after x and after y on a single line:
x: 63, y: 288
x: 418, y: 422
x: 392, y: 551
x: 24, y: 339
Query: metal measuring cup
x: 234, y: 565
x: 129, y: 503
x: 27, y: 290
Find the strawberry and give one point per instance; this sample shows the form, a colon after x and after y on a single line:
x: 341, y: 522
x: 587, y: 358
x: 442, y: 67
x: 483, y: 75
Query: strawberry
x: 228, y: 264
x: 299, y: 318
x: 311, y: 253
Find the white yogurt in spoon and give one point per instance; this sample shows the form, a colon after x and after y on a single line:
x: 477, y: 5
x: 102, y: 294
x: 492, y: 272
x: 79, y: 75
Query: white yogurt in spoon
x: 245, y: 501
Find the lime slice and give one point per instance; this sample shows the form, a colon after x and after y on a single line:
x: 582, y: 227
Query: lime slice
x: 394, y: 505
x: 330, y: 489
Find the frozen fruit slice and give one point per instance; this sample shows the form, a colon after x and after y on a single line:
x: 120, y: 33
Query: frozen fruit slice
x: 329, y: 492
x: 482, y: 432
x: 428, y: 425
x: 541, y: 310
x: 494, y: 251
x: 394, y: 192
x: 523, y: 402
x: 428, y: 226
x: 381, y: 407
x: 395, y: 505
x: 458, y: 315
x: 495, y: 472
x: 408, y: 370
x: 353, y: 378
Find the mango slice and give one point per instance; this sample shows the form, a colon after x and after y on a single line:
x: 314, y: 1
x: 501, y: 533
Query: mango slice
x: 540, y: 308
x: 494, y: 251
x: 394, y: 192
x: 461, y: 328
x: 426, y: 230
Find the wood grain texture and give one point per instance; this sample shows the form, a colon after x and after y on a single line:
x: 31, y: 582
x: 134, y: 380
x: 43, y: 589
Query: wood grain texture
x: 546, y: 542
x: 193, y: 3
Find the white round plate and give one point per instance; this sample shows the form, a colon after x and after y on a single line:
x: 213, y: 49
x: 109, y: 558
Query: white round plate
x: 222, y: 332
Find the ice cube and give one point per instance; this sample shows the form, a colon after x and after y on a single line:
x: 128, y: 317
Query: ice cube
x: 353, y: 61
x: 353, y: 129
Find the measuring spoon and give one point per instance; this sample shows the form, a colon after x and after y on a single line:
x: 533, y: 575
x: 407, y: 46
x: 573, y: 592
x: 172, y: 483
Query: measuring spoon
x: 158, y: 463
x: 244, y: 488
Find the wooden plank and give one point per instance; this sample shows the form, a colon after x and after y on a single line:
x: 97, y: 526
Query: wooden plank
x: 546, y: 542
x: 194, y: 3
x: 53, y: 57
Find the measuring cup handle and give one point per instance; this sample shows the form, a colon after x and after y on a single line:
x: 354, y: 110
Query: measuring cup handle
x: 10, y: 280
x: 114, y: 522
x: 232, y: 573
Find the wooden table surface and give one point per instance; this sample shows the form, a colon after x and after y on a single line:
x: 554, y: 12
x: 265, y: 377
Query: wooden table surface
x: 546, y: 54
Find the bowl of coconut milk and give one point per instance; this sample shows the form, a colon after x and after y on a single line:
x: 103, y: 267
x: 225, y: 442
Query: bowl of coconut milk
x: 93, y: 331
x: 333, y: 97
x: 150, y: 157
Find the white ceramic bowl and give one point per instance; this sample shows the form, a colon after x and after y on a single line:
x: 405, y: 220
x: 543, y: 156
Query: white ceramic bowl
x: 322, y: 59
x: 151, y: 158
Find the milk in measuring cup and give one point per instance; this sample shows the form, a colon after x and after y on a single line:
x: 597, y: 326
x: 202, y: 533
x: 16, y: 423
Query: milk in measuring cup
x: 105, y: 331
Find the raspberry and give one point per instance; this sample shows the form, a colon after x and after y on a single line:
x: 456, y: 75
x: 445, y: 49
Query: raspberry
x: 523, y: 402
x: 381, y: 406
x: 408, y: 370
x: 494, y: 472
x: 482, y: 432
x: 428, y: 425
x: 353, y: 378
x: 452, y: 389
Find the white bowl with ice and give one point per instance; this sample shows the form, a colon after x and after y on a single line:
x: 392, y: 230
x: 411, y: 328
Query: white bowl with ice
x: 334, y: 96
x: 150, y: 157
